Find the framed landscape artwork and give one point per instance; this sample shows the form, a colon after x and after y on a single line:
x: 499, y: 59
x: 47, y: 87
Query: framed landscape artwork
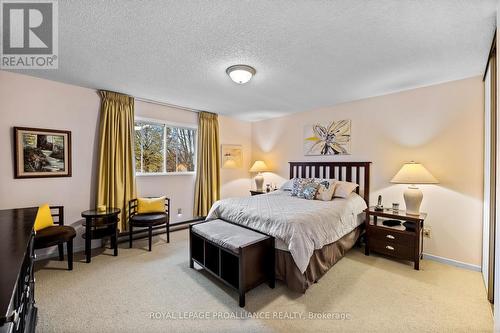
x: 232, y: 156
x: 41, y: 153
x: 333, y: 138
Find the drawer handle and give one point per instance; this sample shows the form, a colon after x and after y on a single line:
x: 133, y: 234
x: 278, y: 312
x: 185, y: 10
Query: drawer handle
x: 17, y: 321
x: 15, y: 317
x: 388, y: 247
x: 390, y: 237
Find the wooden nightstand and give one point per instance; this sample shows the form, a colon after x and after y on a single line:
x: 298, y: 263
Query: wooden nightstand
x: 395, y: 241
x: 255, y: 192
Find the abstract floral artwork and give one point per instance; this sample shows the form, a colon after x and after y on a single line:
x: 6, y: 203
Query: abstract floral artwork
x: 333, y: 138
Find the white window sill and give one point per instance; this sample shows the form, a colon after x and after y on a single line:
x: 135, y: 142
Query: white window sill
x: 187, y: 173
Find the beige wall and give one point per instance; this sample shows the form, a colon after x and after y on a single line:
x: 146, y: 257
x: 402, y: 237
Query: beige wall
x: 32, y: 102
x: 236, y: 182
x: 440, y: 126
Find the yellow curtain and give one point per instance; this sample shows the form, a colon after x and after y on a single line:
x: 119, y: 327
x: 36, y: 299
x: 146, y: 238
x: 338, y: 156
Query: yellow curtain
x: 207, y: 188
x: 116, y: 179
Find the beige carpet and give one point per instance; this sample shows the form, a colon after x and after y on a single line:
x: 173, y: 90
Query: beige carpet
x: 371, y: 294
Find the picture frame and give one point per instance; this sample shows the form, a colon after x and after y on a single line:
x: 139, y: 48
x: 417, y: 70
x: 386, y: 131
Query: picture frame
x: 327, y: 138
x: 231, y: 156
x: 41, y: 153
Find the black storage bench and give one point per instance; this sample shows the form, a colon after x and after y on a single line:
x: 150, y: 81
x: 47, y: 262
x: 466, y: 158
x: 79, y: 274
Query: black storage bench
x: 238, y: 256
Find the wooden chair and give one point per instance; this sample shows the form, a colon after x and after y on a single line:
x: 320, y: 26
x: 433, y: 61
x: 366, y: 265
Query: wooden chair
x: 148, y: 220
x: 57, y: 235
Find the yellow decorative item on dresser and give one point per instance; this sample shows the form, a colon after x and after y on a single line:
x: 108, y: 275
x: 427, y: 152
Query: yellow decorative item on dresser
x: 150, y: 205
x: 43, y: 218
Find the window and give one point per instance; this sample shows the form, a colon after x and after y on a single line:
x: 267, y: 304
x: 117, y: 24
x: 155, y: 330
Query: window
x: 163, y: 148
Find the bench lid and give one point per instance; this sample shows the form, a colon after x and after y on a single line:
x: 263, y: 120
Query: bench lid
x: 227, y: 235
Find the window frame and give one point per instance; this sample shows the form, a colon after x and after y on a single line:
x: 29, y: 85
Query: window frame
x: 167, y: 123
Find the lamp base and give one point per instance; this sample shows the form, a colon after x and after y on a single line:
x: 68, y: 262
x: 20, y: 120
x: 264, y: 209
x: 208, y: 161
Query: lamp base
x: 413, y: 198
x: 259, y: 182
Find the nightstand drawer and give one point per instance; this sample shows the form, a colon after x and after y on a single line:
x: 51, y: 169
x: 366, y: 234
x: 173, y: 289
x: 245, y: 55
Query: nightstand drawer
x: 390, y: 236
x: 391, y: 249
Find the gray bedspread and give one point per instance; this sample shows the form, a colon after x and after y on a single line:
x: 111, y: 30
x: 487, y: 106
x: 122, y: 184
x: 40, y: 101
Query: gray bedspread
x: 303, y: 225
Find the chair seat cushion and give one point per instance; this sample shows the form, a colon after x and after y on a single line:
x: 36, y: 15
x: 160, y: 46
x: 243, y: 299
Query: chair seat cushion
x: 227, y: 235
x: 146, y: 220
x: 53, y: 235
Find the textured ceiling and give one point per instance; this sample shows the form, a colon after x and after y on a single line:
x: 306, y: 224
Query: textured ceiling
x: 307, y: 54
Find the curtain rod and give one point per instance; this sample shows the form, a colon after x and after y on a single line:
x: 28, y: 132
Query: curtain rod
x: 167, y: 104
x: 146, y: 100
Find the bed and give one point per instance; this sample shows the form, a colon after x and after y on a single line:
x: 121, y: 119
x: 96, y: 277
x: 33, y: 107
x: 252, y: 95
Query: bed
x: 311, y: 235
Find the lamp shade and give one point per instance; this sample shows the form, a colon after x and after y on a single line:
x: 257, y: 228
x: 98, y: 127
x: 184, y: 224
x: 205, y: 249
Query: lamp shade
x: 413, y: 173
x: 259, y: 166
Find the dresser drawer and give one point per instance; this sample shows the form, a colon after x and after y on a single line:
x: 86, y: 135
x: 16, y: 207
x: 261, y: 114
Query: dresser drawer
x: 392, y: 249
x: 390, y: 236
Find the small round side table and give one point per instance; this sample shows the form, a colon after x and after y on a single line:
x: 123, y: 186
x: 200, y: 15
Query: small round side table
x: 100, y: 224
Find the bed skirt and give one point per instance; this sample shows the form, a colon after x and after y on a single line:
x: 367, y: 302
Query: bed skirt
x: 321, y: 261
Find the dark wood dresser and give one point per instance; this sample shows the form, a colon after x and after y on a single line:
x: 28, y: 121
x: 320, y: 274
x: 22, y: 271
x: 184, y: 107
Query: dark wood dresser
x: 17, y: 283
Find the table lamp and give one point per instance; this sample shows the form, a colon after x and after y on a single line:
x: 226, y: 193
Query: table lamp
x: 413, y: 173
x: 259, y: 167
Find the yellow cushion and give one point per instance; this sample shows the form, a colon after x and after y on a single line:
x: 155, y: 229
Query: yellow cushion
x: 43, y: 218
x: 153, y: 205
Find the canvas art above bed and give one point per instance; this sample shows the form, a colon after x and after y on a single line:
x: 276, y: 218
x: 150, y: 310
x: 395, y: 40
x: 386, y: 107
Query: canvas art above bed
x: 332, y: 138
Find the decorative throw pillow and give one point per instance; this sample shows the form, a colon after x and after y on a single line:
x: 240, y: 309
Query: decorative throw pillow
x: 43, y: 218
x: 309, y: 191
x: 298, y: 185
x: 151, y: 205
x: 343, y: 189
x: 326, y: 188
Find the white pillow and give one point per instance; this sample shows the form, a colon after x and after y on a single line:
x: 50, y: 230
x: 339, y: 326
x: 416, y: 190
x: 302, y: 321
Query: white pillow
x: 326, y: 189
x: 288, y: 185
x: 343, y: 189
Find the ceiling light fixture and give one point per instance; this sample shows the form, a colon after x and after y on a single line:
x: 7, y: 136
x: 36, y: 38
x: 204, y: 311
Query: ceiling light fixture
x: 240, y: 73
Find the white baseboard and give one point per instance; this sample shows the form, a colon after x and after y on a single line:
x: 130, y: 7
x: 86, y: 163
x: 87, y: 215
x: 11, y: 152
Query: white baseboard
x: 452, y: 262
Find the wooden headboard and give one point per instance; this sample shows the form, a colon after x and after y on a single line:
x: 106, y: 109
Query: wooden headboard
x: 356, y: 172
